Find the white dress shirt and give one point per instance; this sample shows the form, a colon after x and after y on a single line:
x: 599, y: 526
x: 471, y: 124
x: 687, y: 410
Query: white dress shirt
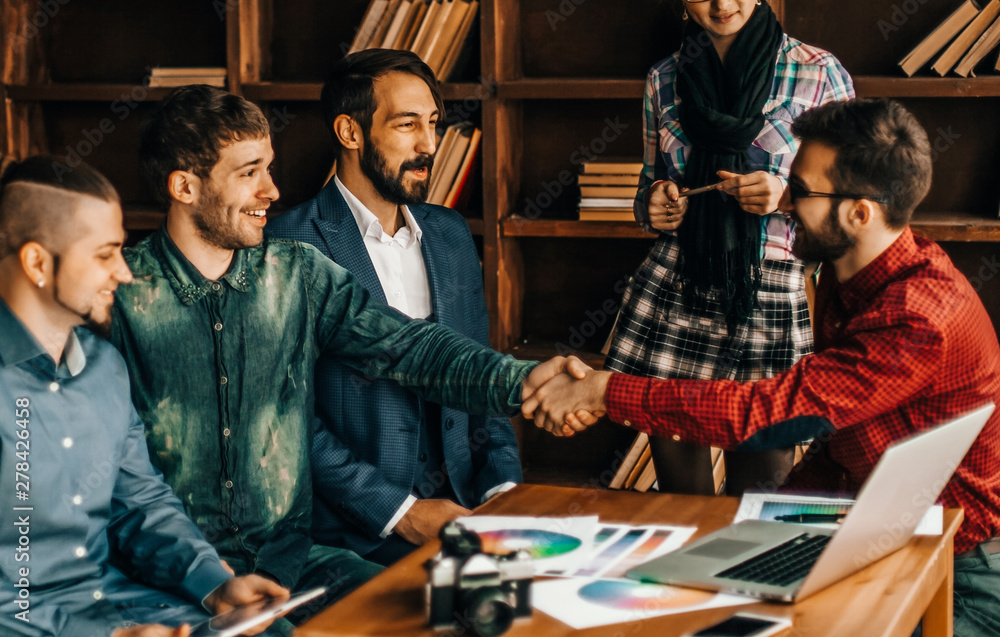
x: 398, y: 261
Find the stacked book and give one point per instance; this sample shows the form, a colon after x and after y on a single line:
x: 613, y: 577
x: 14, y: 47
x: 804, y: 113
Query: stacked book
x: 172, y: 76
x: 454, y: 165
x: 963, y: 40
x: 433, y: 29
x: 607, y: 189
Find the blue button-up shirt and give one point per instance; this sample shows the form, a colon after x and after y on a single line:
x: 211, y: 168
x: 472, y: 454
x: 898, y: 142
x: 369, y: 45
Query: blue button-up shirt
x: 222, y: 374
x: 73, y: 464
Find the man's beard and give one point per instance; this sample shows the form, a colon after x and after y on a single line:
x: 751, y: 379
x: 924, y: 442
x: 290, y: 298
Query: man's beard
x: 831, y: 245
x: 213, y: 224
x: 102, y: 328
x: 390, y: 187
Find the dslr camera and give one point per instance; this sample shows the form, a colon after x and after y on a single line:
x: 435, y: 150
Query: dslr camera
x: 473, y: 590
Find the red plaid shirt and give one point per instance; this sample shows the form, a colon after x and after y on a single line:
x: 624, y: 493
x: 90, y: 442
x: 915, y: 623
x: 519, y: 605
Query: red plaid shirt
x: 904, y: 345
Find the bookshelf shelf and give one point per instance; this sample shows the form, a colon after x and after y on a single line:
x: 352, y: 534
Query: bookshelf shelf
x: 572, y: 88
x: 519, y: 226
x: 140, y: 218
x: 84, y: 92
x: 310, y: 91
x: 891, y: 86
x: 939, y: 226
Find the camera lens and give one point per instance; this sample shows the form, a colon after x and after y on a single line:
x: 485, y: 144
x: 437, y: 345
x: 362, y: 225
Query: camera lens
x: 489, y: 612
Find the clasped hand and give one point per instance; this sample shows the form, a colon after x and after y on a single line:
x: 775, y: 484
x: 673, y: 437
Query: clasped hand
x: 564, y: 395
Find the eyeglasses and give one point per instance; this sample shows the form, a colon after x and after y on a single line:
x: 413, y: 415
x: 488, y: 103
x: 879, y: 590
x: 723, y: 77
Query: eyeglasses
x: 798, y: 192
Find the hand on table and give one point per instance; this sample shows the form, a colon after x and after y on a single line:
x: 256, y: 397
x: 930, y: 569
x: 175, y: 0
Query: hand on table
x: 557, y: 405
x: 757, y: 192
x: 423, y: 521
x: 244, y: 590
x: 664, y: 206
x: 153, y: 630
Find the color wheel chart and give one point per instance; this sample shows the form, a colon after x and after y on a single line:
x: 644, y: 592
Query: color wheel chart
x: 642, y: 597
x: 539, y: 544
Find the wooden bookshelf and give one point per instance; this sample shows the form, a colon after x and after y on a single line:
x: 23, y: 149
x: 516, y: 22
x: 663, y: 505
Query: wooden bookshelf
x: 546, y: 82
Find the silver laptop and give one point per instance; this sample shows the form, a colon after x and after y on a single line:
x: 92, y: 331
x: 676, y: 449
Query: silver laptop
x: 789, y: 562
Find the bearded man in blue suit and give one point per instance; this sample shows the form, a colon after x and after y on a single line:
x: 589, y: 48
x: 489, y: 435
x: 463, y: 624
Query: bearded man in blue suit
x: 396, y: 467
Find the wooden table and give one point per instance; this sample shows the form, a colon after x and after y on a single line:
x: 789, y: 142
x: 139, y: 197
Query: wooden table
x: 887, y: 598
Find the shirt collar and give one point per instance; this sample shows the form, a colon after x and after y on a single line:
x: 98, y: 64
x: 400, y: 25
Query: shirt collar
x: 369, y: 225
x: 188, y: 283
x: 864, y: 285
x: 21, y: 346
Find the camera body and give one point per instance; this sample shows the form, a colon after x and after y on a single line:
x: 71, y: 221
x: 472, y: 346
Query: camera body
x: 471, y: 589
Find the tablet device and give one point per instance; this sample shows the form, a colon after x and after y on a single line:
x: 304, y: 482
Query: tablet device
x: 241, y: 618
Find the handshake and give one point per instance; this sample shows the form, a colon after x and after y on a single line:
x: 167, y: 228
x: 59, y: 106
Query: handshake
x: 564, y: 395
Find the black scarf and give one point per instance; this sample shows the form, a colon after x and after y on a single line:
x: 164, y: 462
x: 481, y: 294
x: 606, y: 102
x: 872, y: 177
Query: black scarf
x: 721, y: 112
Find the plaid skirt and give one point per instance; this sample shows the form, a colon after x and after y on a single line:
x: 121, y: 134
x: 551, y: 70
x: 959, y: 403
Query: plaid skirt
x: 660, y: 335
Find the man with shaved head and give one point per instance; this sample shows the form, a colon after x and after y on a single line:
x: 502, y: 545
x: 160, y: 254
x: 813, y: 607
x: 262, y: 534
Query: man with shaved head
x: 93, y: 541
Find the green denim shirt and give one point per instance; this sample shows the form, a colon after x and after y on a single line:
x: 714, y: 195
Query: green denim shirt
x: 222, y: 375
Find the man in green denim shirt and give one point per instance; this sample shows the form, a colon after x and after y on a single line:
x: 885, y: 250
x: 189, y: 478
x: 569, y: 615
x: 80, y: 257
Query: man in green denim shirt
x: 220, y: 332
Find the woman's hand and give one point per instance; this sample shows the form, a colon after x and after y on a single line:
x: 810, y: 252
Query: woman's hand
x: 757, y: 192
x: 664, y: 205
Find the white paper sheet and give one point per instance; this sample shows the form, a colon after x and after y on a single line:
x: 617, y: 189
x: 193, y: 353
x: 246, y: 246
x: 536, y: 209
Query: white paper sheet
x: 585, y: 603
x: 764, y: 506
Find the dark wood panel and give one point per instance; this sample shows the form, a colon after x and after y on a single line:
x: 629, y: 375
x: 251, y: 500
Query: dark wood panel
x: 573, y: 289
x: 302, y: 149
x: 980, y: 263
x: 86, y: 92
x: 105, y: 135
x: 559, y: 135
x: 116, y: 40
x: 596, y: 39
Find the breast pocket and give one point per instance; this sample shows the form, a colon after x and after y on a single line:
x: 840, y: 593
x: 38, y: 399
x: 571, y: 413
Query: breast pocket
x: 776, y: 138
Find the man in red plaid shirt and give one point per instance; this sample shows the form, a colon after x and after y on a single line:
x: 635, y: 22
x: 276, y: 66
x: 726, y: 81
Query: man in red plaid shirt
x: 903, y: 343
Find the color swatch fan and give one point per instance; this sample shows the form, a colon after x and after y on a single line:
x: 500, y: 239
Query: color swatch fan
x: 553, y: 543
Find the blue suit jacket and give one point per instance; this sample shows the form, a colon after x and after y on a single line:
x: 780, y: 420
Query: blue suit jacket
x: 365, y: 441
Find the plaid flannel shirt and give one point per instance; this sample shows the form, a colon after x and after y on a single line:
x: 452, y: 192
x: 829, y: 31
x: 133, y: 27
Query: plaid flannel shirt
x: 804, y: 77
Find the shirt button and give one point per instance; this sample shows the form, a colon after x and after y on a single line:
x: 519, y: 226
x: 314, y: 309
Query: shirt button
x: 448, y: 424
x: 77, y: 500
x: 80, y: 552
x: 423, y: 457
x: 98, y: 595
x: 234, y: 529
x: 67, y: 442
x: 225, y: 432
x: 218, y: 327
x: 229, y: 484
x: 837, y: 325
x: 216, y: 287
x: 399, y: 294
x: 223, y: 380
x: 53, y: 386
x: 676, y: 438
x: 627, y: 423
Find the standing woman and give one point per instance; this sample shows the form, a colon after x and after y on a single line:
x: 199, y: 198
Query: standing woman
x: 720, y: 295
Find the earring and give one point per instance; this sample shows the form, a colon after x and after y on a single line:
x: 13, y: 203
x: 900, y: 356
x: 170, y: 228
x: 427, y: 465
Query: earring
x: 685, y: 16
x: 758, y: 3
x: 41, y: 283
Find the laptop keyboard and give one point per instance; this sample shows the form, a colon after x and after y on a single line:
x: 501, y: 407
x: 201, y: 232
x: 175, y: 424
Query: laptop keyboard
x: 781, y: 565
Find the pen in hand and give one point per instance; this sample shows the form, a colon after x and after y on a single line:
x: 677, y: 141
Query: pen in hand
x: 811, y: 517
x: 698, y: 191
